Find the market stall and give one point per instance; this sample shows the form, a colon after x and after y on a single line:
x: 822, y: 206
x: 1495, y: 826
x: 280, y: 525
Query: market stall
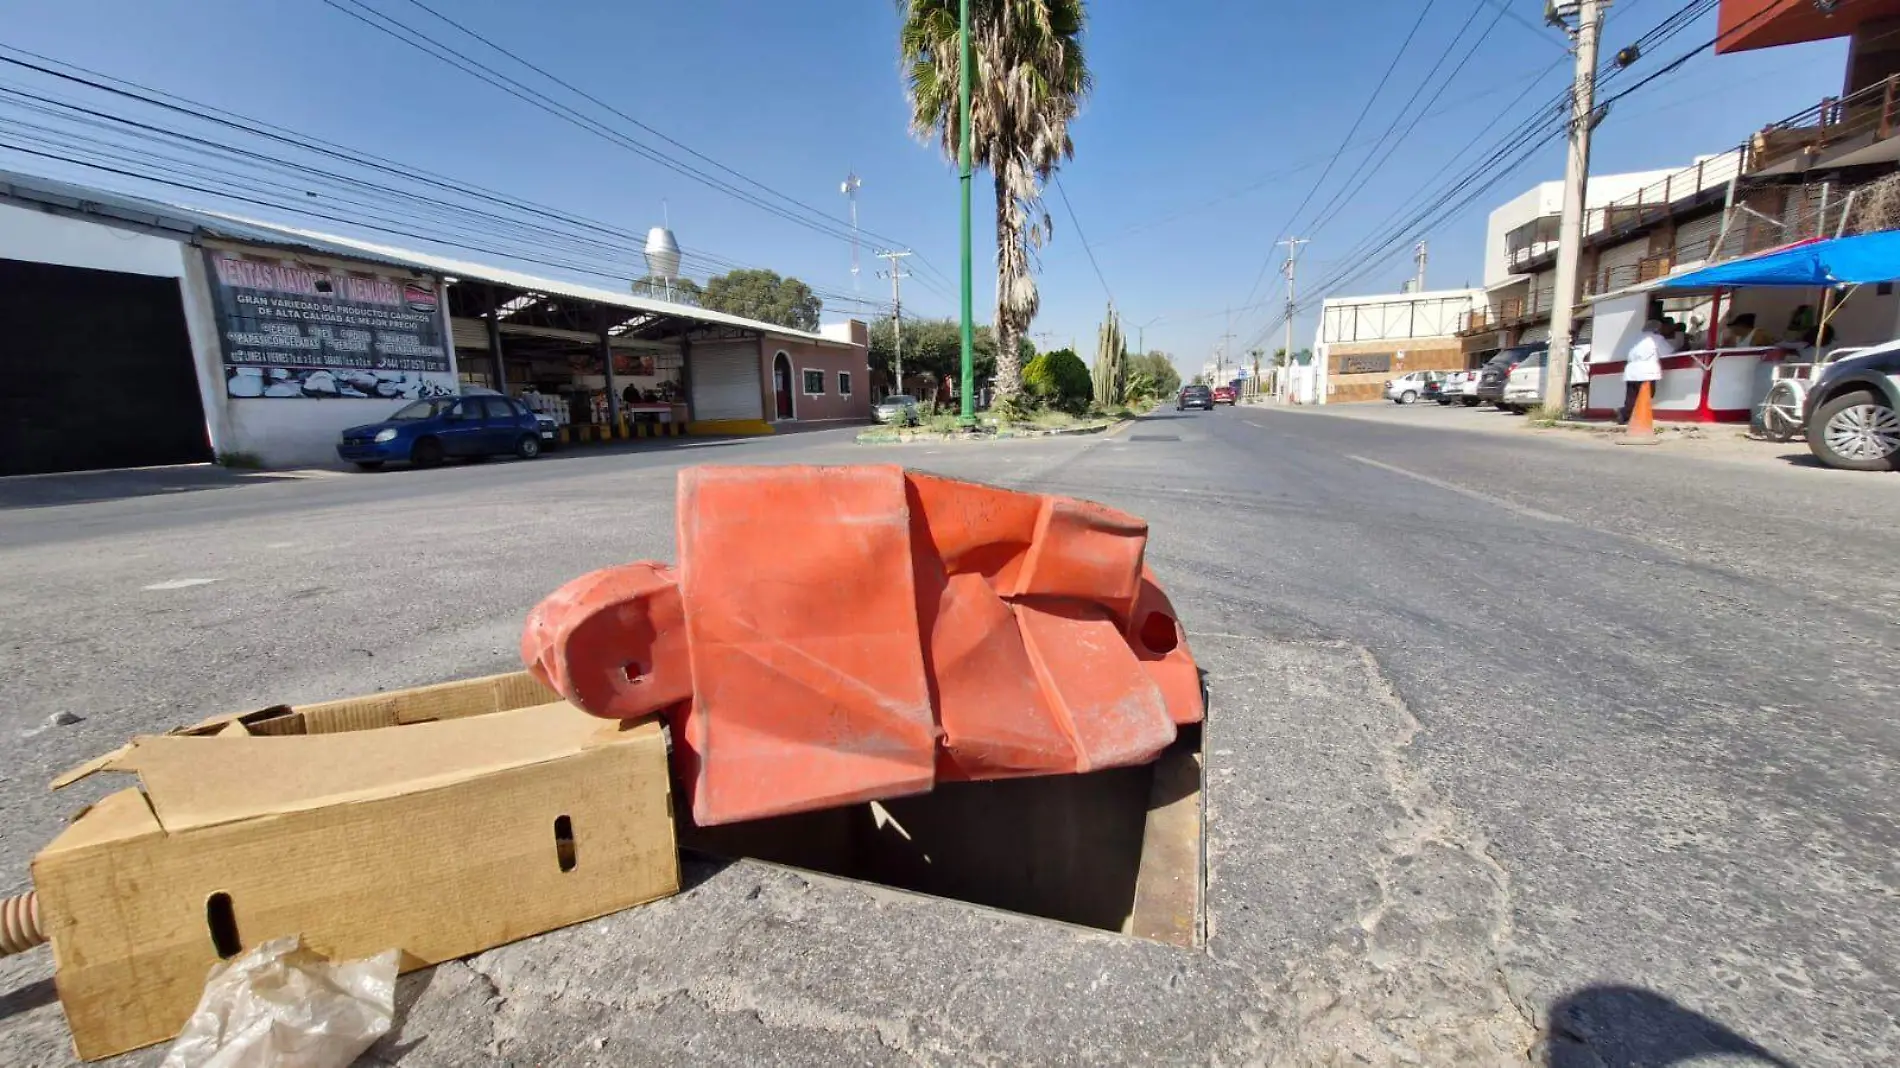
x: 1808, y: 297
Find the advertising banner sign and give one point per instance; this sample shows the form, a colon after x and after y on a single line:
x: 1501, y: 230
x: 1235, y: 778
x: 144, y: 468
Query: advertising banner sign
x: 292, y: 331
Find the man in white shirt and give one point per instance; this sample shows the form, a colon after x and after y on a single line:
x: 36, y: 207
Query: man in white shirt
x: 1643, y: 364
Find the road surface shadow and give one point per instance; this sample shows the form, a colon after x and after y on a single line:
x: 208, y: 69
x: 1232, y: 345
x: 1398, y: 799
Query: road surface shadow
x: 27, y: 998
x: 1624, y: 1025
x: 82, y: 487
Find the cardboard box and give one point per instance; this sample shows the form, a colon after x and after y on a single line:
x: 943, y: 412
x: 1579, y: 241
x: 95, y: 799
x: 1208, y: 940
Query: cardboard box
x: 440, y: 821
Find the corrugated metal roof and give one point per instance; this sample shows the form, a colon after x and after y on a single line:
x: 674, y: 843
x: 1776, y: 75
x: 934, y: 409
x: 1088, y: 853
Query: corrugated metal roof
x: 186, y: 222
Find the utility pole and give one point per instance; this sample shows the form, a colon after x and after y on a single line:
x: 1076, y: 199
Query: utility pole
x: 1419, y: 255
x: 896, y: 274
x: 850, y: 189
x: 1292, y: 267
x: 965, y: 84
x: 1576, y: 178
x: 1220, y: 354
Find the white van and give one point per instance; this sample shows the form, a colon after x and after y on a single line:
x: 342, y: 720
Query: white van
x: 1524, y: 390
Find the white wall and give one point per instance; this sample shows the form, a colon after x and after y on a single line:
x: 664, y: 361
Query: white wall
x: 1544, y: 198
x: 1547, y: 198
x: 1615, y: 326
x: 41, y: 237
x: 1396, y: 316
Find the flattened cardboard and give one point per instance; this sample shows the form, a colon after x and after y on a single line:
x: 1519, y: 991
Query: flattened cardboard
x: 201, y: 781
x: 482, y: 821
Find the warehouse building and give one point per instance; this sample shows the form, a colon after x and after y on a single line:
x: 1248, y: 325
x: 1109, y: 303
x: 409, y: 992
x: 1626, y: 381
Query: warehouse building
x: 142, y: 333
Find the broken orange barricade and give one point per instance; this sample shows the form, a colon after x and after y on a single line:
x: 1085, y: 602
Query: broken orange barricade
x: 840, y: 634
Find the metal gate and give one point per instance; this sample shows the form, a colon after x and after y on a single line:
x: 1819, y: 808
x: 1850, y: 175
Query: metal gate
x: 97, y: 371
x: 726, y: 381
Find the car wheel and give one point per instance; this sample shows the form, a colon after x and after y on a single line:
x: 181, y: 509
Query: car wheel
x: 1446, y: 401
x: 1469, y: 402
x: 1856, y: 432
x: 426, y: 453
x: 1408, y: 396
x: 529, y: 446
x: 368, y: 465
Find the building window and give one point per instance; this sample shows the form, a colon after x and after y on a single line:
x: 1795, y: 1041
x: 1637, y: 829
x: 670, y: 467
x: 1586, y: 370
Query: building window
x: 814, y: 383
x: 844, y: 383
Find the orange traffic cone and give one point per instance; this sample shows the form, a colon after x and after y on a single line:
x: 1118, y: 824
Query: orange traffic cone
x: 1642, y: 418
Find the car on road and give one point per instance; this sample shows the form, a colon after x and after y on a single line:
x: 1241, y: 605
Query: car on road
x: 1451, y: 388
x: 1853, y: 411
x: 896, y: 408
x: 428, y: 431
x: 1496, y: 372
x: 1193, y: 396
x: 1226, y: 395
x: 1409, y: 387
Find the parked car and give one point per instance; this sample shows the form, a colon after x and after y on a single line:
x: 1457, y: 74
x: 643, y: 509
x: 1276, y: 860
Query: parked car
x: 1226, y: 395
x: 426, y: 432
x: 1193, y: 396
x: 1449, y: 388
x: 1497, y: 371
x: 1409, y: 387
x: 896, y: 408
x: 550, y: 428
x: 1524, y: 386
x: 1853, y: 411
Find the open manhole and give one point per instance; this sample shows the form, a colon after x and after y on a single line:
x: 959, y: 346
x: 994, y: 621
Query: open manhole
x: 1117, y: 850
x: 1154, y: 437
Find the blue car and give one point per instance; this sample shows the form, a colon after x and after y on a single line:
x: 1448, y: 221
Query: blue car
x: 426, y: 432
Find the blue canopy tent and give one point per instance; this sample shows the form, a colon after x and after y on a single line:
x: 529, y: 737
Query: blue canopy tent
x: 1857, y: 260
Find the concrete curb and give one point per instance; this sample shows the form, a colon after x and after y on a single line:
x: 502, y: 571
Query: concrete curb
x: 914, y: 437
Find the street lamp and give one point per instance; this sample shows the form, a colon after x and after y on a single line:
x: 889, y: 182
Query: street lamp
x: 1141, y: 333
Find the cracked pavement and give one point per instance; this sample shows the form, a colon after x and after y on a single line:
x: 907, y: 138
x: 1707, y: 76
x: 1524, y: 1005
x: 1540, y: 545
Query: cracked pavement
x: 1517, y: 753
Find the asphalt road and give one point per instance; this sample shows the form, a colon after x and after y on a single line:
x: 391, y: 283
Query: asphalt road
x: 1518, y: 749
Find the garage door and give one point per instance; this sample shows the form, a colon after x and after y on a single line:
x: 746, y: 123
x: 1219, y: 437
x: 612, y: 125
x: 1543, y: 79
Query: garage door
x: 725, y: 381
x: 98, y: 372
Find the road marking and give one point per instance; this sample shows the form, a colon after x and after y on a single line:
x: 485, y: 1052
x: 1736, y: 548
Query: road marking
x: 1509, y: 506
x: 180, y: 584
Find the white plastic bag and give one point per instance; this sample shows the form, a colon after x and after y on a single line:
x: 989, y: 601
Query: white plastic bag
x: 279, y: 1005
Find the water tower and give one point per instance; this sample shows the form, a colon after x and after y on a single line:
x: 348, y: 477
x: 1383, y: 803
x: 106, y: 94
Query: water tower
x: 663, y: 257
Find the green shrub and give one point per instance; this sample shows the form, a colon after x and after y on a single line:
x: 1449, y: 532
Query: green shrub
x: 239, y: 460
x: 1061, y: 379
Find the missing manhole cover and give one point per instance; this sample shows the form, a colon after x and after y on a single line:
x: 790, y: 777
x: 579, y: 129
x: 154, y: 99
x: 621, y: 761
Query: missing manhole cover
x: 1116, y: 850
x: 1154, y: 437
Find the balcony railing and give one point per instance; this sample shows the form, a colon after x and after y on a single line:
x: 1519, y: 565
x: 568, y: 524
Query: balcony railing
x: 1656, y: 201
x: 1864, y: 114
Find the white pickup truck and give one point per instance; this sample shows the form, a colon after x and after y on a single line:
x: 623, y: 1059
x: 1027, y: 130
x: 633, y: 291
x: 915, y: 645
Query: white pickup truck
x: 1524, y: 390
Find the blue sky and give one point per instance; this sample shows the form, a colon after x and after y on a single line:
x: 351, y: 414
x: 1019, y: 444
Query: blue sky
x: 1208, y: 125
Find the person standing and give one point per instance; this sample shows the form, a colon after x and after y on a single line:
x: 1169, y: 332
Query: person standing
x: 1642, y: 365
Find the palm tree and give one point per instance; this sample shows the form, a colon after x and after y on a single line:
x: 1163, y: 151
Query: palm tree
x: 1029, y: 82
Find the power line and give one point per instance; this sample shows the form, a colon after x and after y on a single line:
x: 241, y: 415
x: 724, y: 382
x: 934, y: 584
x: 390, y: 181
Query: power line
x: 1343, y: 142
x: 1077, y: 223
x: 1490, y: 92
x: 1504, y: 9
x: 230, y: 120
x: 1672, y: 25
x: 598, y: 102
x: 806, y: 216
x: 1352, y: 187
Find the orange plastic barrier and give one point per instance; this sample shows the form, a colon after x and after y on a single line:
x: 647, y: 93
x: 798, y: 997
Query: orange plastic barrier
x: 840, y: 634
